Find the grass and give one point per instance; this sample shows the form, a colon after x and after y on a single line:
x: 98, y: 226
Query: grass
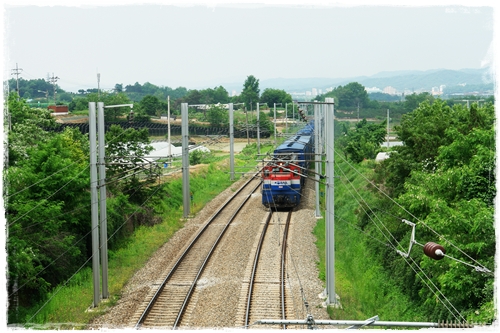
x: 76, y: 296
x: 364, y: 287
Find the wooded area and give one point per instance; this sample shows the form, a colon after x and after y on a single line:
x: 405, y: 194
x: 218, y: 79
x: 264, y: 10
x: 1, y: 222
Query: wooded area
x: 442, y: 179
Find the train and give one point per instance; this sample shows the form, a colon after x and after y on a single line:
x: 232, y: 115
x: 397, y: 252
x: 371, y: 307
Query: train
x: 283, y: 176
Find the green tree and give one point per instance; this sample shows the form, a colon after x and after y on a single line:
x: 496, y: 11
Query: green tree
x: 111, y: 114
x: 349, y: 95
x: 221, y: 95
x: 150, y: 105
x: 26, y: 127
x: 352, y: 95
x: 217, y: 116
x: 265, y: 123
x: 47, y: 210
x: 364, y: 141
x: 125, y: 149
x: 449, y: 188
x: 250, y: 93
x: 271, y: 96
x: 413, y: 101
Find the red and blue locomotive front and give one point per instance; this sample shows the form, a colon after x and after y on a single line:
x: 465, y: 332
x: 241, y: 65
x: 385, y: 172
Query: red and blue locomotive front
x: 283, y: 176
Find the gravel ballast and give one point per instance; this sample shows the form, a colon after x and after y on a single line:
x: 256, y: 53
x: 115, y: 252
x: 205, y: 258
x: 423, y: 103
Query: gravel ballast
x: 219, y: 292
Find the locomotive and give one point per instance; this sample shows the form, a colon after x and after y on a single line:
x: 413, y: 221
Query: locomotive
x: 284, y: 175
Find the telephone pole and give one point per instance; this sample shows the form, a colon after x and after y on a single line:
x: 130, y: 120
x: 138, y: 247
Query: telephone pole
x: 16, y: 71
x: 53, y: 81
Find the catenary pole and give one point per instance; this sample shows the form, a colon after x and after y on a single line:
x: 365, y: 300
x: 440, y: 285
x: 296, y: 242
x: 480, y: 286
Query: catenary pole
x: 102, y: 199
x: 286, y: 117
x: 231, y: 141
x: 275, y: 124
x: 185, y: 160
x: 94, y: 201
x: 258, y: 129
x: 168, y: 125
x: 316, y: 157
x: 330, y: 206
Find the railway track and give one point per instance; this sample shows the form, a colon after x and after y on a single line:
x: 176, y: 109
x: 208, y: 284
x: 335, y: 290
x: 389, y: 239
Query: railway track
x: 165, y: 306
x: 265, y: 292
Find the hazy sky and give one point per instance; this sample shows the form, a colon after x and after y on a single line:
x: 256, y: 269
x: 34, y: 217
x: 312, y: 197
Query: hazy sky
x: 206, y: 43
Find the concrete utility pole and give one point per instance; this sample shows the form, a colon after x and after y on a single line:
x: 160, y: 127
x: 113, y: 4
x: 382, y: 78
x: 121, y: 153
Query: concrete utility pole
x: 286, y: 118
x: 275, y: 122
x: 330, y: 206
x: 102, y: 199
x: 185, y: 159
x: 17, y: 71
x: 94, y: 202
x: 258, y: 129
x: 246, y: 112
x: 53, y: 81
x: 231, y: 141
x: 168, y: 122
x: 387, y: 128
x: 317, y: 157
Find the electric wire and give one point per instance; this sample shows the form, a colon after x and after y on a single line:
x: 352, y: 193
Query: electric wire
x: 435, y: 289
x: 101, y: 200
x: 410, y: 214
x: 48, y: 197
x: 100, y: 246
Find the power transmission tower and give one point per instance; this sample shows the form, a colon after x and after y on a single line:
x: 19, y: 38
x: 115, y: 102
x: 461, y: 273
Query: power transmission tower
x: 16, y: 71
x: 53, y: 81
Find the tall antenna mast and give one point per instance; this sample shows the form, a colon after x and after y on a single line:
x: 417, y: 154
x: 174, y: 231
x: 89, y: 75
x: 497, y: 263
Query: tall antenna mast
x: 98, y: 87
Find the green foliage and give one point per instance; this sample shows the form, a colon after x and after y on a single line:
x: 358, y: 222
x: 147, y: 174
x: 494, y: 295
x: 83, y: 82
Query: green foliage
x: 350, y: 95
x: 27, y: 127
x: 363, y: 284
x: 414, y: 100
x: 265, y: 123
x: 250, y: 93
x: 364, y: 141
x: 125, y: 150
x: 46, y: 222
x: 217, y: 116
x: 444, y: 178
x: 35, y: 88
x: 271, y: 96
x: 196, y: 156
x: 151, y: 106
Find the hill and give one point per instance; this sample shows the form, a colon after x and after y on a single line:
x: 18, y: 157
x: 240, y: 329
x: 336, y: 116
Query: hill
x: 400, y: 80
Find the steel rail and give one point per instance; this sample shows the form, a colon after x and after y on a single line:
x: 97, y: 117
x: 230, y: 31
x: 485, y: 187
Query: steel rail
x: 203, y: 265
x: 254, y: 268
x: 283, y: 266
x: 186, y: 251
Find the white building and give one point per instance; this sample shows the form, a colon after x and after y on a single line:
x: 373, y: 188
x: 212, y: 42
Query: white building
x: 390, y: 90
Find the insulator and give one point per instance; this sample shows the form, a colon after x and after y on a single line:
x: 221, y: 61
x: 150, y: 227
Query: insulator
x: 434, y: 251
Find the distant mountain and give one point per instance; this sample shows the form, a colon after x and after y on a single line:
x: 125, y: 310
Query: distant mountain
x: 401, y: 80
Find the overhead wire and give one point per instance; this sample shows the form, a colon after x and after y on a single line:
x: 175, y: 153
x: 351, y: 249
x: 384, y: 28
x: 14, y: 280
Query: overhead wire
x: 410, y: 214
x: 94, y: 253
x: 435, y: 289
